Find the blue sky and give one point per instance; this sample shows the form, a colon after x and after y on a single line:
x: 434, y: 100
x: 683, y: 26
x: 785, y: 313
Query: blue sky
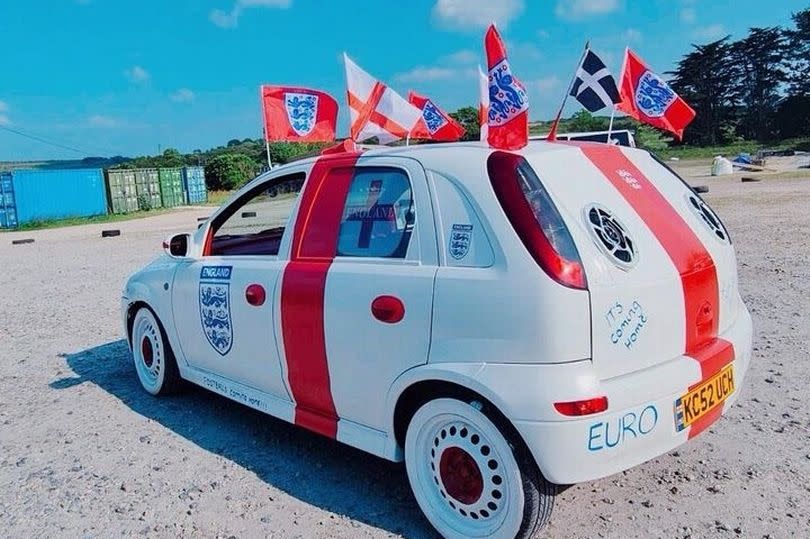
x: 122, y: 77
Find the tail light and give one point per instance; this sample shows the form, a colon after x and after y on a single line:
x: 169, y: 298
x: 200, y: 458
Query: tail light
x: 583, y: 407
x: 536, y: 219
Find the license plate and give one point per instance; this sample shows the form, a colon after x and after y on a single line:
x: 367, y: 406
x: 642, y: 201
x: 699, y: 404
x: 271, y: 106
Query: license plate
x: 699, y: 401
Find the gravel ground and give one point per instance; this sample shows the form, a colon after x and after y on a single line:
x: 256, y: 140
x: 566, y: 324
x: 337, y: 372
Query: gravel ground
x: 84, y: 452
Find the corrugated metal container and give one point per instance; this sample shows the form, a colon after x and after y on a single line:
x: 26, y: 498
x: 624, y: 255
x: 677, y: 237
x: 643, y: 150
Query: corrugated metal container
x: 194, y: 185
x: 147, y: 186
x: 8, y: 207
x: 57, y: 194
x: 171, y: 187
x: 122, y: 194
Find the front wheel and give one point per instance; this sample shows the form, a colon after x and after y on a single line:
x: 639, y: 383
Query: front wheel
x: 153, y: 357
x: 469, y: 478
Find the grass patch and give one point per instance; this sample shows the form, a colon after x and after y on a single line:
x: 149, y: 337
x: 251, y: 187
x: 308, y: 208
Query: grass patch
x: 216, y: 198
x: 96, y: 219
x: 731, y: 150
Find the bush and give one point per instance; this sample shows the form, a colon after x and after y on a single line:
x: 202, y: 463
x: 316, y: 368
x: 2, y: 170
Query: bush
x: 229, y: 171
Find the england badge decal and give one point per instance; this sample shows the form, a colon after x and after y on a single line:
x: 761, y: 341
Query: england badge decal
x: 215, y: 307
x: 460, y: 239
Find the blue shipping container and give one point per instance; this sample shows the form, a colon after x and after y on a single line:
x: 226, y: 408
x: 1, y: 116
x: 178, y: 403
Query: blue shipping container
x: 57, y: 194
x: 8, y: 208
x: 194, y: 185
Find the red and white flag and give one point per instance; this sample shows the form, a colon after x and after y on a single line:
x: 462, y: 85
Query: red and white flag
x: 435, y: 124
x: 649, y: 99
x: 375, y: 109
x: 483, y: 102
x: 298, y: 114
x: 508, y: 115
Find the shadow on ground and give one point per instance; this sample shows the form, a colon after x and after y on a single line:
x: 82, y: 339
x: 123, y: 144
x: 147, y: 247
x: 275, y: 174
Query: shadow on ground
x: 313, y: 469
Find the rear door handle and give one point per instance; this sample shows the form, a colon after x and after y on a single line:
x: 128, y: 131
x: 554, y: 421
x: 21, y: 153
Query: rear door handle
x: 388, y: 309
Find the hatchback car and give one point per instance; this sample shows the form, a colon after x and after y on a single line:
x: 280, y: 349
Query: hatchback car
x: 503, y: 322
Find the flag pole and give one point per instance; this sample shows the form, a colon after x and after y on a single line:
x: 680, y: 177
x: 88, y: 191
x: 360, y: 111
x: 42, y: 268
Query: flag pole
x: 264, y: 127
x: 610, y: 125
x: 552, y: 135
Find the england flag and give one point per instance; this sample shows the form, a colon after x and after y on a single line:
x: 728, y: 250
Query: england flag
x: 594, y: 86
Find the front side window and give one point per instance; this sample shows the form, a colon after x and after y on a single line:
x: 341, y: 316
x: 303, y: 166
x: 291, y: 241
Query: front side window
x: 254, y: 224
x: 378, y: 216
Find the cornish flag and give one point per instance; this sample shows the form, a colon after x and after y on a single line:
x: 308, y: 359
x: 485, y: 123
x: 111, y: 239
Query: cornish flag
x: 594, y: 86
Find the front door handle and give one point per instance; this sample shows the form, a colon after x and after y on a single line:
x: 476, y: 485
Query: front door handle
x: 388, y: 309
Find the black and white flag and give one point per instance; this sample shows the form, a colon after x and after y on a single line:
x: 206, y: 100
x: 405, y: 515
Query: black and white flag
x: 594, y: 86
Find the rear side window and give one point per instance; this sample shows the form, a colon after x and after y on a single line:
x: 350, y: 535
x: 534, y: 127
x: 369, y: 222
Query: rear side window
x: 378, y: 216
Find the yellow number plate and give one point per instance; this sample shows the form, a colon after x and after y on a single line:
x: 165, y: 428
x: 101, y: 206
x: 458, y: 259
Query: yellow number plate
x: 701, y: 400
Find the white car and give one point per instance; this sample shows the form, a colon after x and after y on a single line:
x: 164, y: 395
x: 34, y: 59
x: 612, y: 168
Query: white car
x: 501, y: 321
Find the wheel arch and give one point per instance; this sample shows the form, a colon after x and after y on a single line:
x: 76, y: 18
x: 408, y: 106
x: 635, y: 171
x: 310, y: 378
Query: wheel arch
x: 450, y: 380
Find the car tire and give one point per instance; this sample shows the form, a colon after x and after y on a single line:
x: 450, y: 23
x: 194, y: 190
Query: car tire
x: 471, y: 475
x: 154, y: 361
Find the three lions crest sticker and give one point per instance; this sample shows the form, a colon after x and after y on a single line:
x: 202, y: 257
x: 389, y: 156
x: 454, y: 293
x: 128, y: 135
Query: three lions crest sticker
x: 460, y: 239
x: 215, y: 307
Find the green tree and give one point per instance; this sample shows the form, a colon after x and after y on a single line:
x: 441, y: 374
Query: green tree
x: 702, y: 79
x: 650, y: 138
x: 799, y: 39
x: 229, y: 171
x: 582, y: 120
x: 468, y: 118
x: 761, y: 60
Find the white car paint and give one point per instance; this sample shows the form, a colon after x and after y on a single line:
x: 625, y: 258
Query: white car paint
x: 491, y: 321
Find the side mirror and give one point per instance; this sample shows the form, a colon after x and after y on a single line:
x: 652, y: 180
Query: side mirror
x: 177, y: 246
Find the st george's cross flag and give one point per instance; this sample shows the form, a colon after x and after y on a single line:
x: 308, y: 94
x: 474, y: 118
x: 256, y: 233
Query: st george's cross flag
x: 483, y: 103
x: 435, y: 123
x: 508, y: 116
x: 649, y: 99
x: 298, y: 114
x: 375, y: 109
x: 594, y: 87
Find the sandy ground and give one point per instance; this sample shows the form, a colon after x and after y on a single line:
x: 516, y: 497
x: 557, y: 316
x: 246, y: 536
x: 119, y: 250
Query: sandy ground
x: 84, y: 452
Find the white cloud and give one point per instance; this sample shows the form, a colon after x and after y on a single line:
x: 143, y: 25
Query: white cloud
x: 426, y: 74
x: 137, y: 74
x: 230, y: 19
x: 546, y: 85
x: 105, y: 122
x: 631, y: 35
x: 183, y: 95
x: 688, y: 15
x: 4, y: 119
x: 581, y: 9
x: 464, y: 57
x: 709, y: 32
x: 473, y: 14
x: 543, y: 34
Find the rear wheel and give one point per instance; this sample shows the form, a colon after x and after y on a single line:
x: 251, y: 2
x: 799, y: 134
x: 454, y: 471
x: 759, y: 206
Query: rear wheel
x: 153, y: 357
x: 469, y: 478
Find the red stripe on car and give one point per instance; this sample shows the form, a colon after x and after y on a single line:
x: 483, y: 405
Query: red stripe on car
x: 303, y: 286
x: 694, y: 263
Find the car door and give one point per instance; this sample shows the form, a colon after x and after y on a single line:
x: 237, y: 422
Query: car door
x: 357, y: 294
x: 223, y: 302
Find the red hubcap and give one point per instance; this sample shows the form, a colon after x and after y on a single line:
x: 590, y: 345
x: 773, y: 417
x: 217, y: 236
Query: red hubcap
x: 147, y: 352
x: 460, y: 475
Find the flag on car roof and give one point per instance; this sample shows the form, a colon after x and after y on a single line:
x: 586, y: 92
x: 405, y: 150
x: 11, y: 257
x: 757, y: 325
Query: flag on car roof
x: 649, y: 99
x: 483, y: 103
x: 435, y: 124
x: 298, y: 114
x: 508, y: 116
x: 375, y: 109
x: 594, y: 87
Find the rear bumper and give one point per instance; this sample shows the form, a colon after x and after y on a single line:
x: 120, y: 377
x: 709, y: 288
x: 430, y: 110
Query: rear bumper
x: 640, y: 423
